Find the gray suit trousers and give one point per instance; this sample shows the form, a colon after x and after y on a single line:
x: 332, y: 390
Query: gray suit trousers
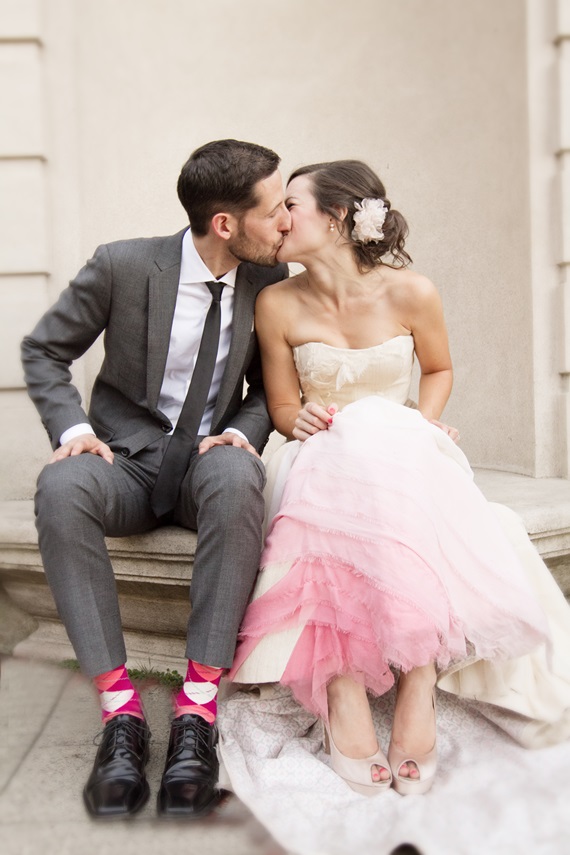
x: 82, y: 499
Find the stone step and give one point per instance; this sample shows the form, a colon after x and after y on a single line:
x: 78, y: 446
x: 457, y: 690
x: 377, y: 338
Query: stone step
x: 153, y: 572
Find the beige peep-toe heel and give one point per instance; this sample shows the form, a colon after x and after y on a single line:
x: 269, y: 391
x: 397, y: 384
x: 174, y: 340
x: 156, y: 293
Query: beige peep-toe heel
x: 426, y: 764
x: 357, y: 773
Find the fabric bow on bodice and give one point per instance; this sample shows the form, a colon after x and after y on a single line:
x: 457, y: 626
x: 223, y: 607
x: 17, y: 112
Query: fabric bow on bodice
x: 341, y: 375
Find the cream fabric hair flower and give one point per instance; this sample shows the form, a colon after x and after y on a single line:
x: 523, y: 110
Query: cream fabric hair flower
x: 368, y: 220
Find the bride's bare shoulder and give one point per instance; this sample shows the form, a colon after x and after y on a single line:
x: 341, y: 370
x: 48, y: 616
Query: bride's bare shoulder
x: 277, y: 305
x: 280, y: 293
x: 410, y: 286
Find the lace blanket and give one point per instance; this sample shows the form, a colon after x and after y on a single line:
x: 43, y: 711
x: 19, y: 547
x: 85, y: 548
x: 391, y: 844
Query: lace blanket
x: 491, y: 797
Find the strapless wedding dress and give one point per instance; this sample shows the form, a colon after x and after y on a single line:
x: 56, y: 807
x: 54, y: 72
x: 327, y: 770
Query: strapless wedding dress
x: 380, y: 551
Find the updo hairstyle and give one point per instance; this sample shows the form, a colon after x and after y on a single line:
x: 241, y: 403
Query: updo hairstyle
x: 342, y: 183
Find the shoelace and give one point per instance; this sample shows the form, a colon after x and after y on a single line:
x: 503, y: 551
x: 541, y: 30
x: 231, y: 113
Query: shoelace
x: 193, y: 735
x: 121, y: 734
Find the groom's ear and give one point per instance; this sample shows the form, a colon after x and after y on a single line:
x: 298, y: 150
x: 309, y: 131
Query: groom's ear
x: 224, y: 225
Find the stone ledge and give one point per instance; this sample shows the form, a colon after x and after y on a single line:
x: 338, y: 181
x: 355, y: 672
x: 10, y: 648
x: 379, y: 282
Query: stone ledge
x: 542, y: 503
x: 167, y: 552
x: 153, y: 570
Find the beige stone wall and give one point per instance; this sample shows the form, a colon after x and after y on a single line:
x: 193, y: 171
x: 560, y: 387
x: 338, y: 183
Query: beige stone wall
x: 106, y: 99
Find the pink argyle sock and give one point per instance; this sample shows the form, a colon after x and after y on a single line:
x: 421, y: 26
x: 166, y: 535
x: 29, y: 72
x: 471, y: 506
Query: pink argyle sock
x: 199, y: 694
x: 117, y: 694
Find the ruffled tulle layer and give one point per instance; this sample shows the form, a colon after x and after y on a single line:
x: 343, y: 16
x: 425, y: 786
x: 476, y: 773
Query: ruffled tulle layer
x: 393, y: 558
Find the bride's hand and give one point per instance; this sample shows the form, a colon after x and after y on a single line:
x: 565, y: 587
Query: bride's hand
x: 311, y: 419
x: 452, y: 432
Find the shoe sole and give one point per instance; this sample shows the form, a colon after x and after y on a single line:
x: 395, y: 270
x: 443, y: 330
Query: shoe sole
x: 369, y: 790
x: 413, y: 787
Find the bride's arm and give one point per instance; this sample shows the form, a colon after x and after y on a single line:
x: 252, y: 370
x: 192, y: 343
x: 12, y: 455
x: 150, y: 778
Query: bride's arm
x: 431, y: 345
x: 280, y: 377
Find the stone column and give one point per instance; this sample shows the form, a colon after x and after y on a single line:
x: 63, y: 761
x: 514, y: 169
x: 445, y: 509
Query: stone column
x: 562, y: 42
x: 25, y: 244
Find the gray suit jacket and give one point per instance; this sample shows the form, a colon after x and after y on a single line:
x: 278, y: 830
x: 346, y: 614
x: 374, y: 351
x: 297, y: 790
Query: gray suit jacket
x: 128, y: 291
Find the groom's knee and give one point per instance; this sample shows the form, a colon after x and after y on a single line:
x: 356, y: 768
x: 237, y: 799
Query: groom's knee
x: 67, y: 486
x: 230, y: 475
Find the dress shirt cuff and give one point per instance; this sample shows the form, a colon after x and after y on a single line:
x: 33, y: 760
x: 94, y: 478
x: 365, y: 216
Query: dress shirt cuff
x: 74, y: 431
x: 237, y: 433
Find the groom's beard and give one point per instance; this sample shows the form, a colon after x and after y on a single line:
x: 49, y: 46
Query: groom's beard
x: 244, y: 248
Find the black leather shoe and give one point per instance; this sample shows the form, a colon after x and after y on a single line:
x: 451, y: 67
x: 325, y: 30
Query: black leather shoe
x: 188, y: 787
x: 117, y: 785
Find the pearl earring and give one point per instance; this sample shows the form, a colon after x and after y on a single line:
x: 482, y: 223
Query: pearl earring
x: 331, y: 226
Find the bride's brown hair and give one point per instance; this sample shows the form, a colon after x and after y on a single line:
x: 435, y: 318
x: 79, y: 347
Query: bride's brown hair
x: 341, y: 183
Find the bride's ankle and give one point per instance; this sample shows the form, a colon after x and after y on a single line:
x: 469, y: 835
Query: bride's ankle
x: 423, y: 677
x: 347, y: 701
x: 413, y: 726
x: 350, y: 719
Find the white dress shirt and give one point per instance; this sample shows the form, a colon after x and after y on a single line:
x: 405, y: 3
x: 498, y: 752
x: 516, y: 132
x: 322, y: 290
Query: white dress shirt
x: 192, y: 304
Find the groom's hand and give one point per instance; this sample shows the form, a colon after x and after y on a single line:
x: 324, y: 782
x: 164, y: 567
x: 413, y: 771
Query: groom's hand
x: 86, y: 443
x: 311, y: 419
x: 226, y: 439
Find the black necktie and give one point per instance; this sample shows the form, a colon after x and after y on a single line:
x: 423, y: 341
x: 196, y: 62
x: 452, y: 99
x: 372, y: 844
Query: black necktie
x: 177, y: 456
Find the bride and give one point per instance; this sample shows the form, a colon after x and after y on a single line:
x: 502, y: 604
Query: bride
x: 382, y: 559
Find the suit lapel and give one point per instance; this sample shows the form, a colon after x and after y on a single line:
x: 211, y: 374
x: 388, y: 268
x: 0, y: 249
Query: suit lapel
x: 162, y: 293
x: 242, y: 327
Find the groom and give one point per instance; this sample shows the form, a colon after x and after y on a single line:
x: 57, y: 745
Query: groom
x: 170, y: 437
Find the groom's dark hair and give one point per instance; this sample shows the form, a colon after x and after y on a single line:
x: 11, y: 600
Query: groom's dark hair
x: 221, y: 176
